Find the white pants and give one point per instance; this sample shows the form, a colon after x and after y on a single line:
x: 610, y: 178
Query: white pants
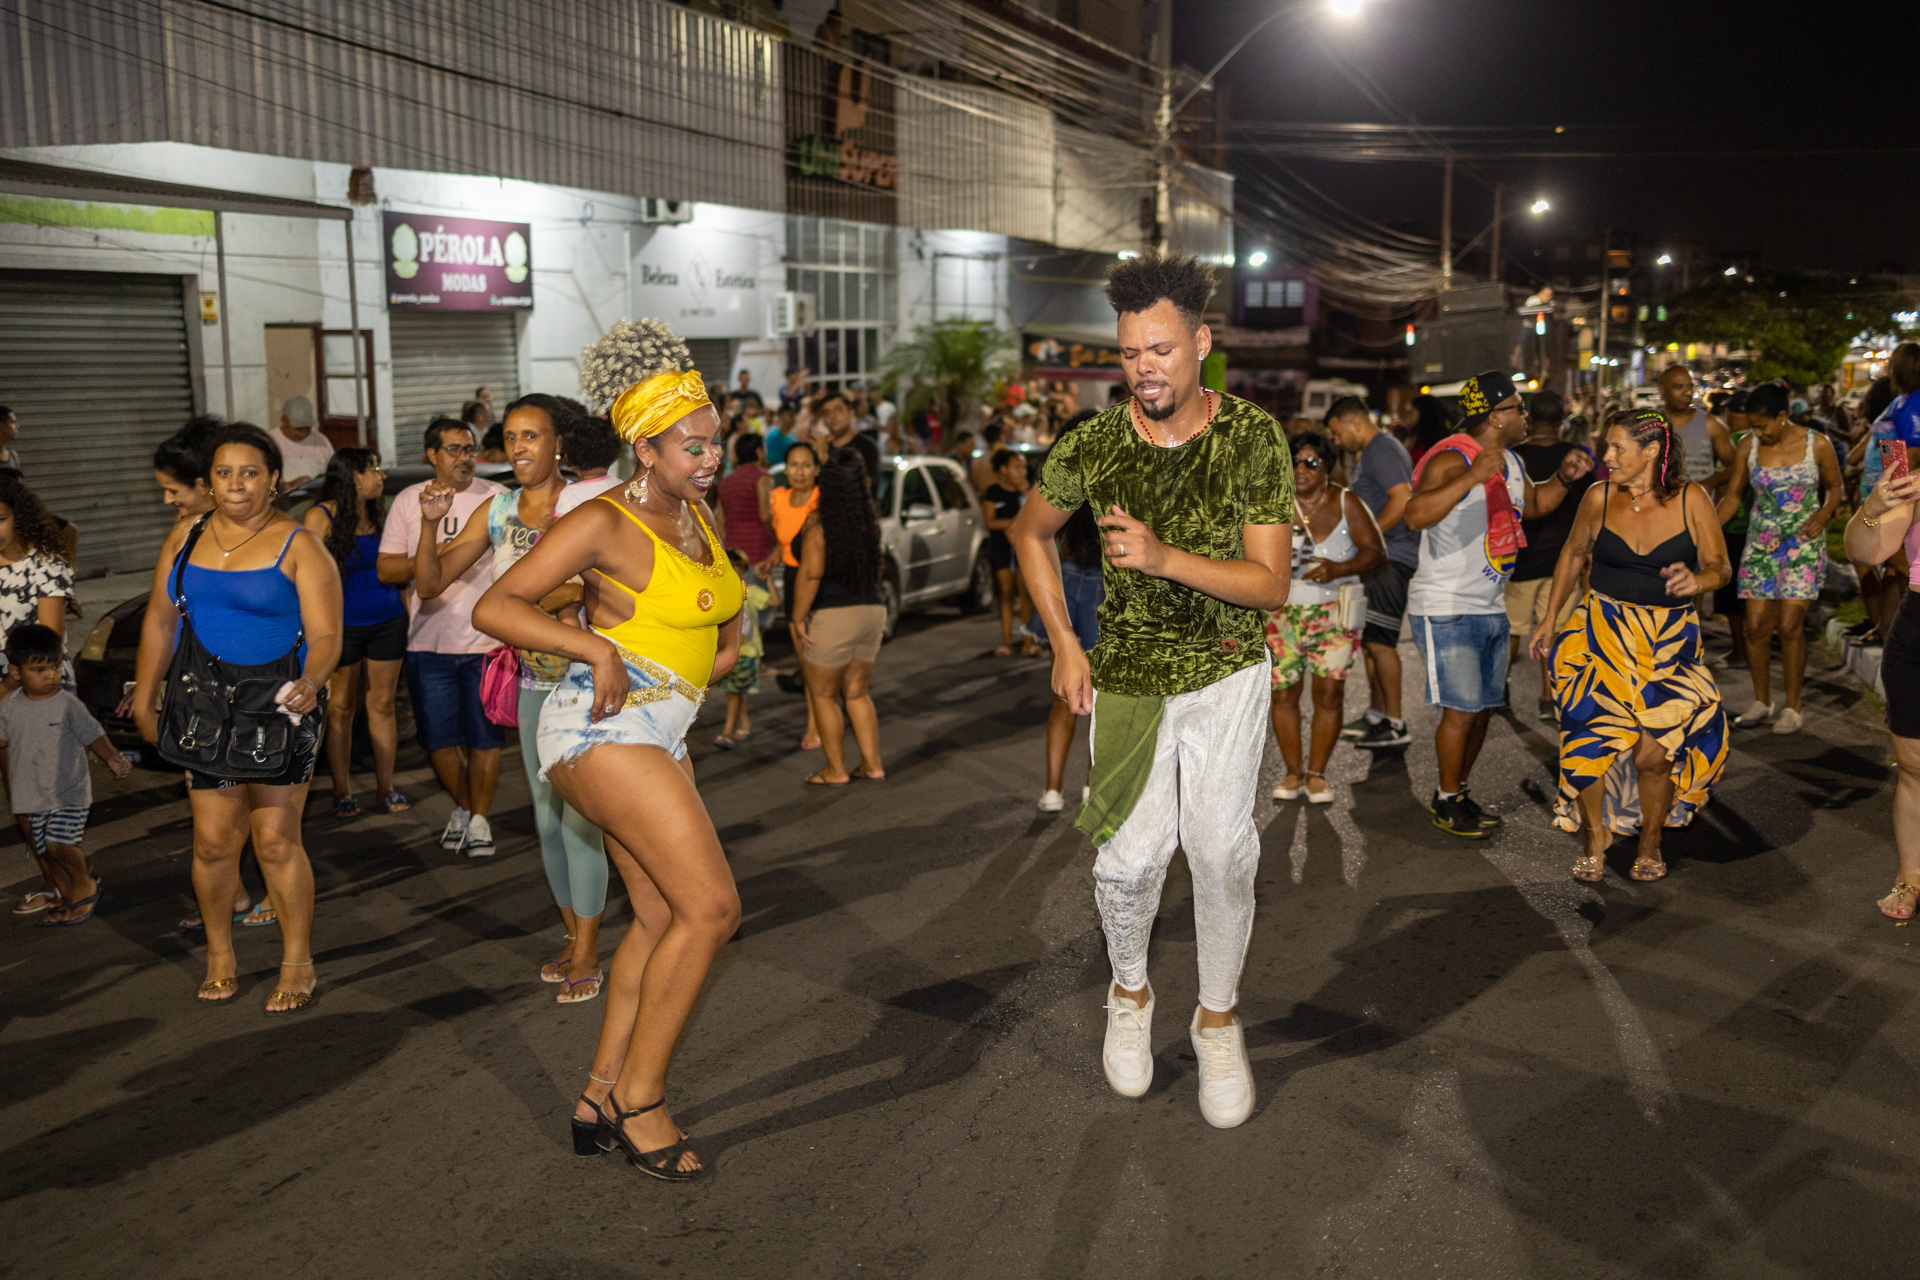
x: 1206, y: 771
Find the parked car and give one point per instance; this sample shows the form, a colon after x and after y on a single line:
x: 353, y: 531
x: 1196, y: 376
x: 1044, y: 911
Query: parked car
x: 933, y: 537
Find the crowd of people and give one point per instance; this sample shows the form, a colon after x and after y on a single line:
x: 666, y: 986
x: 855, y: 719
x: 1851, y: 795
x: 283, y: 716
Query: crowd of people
x: 1192, y: 570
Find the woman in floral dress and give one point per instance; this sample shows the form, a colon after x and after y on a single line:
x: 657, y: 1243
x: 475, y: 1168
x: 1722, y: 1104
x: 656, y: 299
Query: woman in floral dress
x: 1796, y: 485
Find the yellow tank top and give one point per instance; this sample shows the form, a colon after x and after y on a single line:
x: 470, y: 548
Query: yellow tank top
x: 676, y: 620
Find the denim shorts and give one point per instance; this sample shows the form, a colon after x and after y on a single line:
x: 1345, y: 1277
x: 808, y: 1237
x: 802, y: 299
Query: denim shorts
x: 445, y: 688
x: 660, y: 708
x: 1466, y: 657
x: 1085, y: 589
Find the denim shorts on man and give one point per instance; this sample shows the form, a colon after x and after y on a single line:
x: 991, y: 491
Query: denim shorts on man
x: 1466, y: 658
x: 446, y: 701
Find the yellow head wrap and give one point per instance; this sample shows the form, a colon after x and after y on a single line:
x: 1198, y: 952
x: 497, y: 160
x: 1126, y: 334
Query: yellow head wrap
x: 651, y: 406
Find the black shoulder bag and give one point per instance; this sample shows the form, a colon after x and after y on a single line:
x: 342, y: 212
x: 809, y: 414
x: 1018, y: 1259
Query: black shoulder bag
x: 219, y: 718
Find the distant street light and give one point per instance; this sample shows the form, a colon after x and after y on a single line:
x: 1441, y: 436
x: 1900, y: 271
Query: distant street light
x: 1258, y: 258
x: 1539, y: 206
x: 1665, y: 259
x: 1345, y: 8
x: 1731, y: 271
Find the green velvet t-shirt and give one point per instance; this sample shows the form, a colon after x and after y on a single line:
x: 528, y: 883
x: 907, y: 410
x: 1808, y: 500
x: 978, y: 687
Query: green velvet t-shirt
x: 1158, y: 638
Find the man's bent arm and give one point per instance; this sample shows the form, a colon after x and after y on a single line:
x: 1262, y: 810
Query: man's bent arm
x: 1261, y: 581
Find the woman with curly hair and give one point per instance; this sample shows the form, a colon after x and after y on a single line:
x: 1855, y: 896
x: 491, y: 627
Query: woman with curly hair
x: 373, y: 638
x: 838, y: 618
x: 35, y: 578
x: 662, y: 603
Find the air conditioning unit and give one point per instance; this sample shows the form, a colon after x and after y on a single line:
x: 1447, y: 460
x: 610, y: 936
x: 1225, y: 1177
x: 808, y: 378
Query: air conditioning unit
x: 792, y: 313
x: 655, y: 209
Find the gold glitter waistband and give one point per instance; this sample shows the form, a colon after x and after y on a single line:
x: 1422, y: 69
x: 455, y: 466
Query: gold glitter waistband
x: 671, y: 681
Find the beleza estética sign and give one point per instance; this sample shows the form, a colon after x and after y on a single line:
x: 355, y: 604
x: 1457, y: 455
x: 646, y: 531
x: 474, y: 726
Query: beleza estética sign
x: 438, y: 263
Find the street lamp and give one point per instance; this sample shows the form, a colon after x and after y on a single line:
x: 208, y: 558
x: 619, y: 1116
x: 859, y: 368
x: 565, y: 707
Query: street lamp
x: 1258, y: 258
x: 1731, y: 271
x: 1665, y: 260
x: 1170, y: 110
x: 1539, y: 206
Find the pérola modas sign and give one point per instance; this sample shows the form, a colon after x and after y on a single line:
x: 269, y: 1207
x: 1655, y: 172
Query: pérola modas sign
x: 457, y: 264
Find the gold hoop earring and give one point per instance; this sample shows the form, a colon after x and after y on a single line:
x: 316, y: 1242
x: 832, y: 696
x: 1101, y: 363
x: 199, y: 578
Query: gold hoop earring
x: 637, y: 488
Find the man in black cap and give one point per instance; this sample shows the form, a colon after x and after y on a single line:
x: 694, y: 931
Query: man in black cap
x: 1469, y: 496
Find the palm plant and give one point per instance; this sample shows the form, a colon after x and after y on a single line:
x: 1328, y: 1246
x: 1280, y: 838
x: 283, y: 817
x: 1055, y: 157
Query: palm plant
x: 952, y: 364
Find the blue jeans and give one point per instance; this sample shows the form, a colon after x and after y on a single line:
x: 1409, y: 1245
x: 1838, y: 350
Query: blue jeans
x: 445, y: 688
x: 1085, y: 589
x: 1466, y: 657
x: 571, y: 848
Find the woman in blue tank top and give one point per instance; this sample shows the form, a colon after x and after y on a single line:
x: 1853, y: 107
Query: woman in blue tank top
x: 258, y: 586
x: 373, y: 640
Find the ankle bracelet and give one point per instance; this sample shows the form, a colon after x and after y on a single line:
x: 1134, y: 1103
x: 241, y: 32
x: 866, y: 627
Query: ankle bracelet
x: 594, y: 1077
x: 295, y: 964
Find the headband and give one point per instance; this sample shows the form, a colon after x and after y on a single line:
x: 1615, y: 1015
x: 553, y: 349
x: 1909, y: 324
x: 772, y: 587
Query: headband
x: 650, y: 406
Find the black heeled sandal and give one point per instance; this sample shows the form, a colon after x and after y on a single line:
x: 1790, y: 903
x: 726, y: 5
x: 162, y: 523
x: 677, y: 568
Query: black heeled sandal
x: 587, y: 1134
x: 662, y: 1163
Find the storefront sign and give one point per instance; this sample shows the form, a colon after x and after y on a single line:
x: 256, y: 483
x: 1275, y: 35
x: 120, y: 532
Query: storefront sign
x: 821, y: 157
x: 1056, y: 353
x: 703, y: 279
x: 457, y: 264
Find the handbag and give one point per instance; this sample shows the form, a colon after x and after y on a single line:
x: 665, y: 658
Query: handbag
x: 500, y: 686
x: 220, y: 718
x: 1350, y: 611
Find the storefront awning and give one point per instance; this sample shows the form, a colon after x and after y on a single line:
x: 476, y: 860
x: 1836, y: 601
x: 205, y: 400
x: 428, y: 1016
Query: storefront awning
x: 26, y: 178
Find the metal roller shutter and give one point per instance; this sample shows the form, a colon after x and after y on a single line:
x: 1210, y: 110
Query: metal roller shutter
x: 439, y: 357
x: 713, y: 357
x: 97, y: 365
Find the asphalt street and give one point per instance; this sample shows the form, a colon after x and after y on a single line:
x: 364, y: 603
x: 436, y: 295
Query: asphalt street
x: 1468, y: 1064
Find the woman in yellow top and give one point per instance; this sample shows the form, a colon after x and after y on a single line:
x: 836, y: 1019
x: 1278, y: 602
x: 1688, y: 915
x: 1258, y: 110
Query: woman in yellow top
x: 789, y: 506
x: 662, y: 601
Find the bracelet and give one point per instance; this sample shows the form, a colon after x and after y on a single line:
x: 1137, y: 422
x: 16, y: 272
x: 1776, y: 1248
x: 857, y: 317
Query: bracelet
x: 1868, y: 521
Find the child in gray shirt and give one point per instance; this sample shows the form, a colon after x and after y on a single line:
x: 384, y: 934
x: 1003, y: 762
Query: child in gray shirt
x: 45, y: 734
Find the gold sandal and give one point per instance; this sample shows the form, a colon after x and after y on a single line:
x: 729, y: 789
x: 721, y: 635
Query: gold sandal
x: 1913, y: 896
x: 218, y: 984
x: 1656, y: 867
x: 301, y: 999
x: 1592, y: 868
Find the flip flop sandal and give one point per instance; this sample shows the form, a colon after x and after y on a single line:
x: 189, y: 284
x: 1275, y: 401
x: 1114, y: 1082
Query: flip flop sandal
x: 194, y: 923
x: 819, y: 779
x: 566, y: 995
x: 556, y: 964
x: 739, y: 738
x: 346, y: 807
x: 219, y: 984
x: 1652, y: 870
x: 90, y: 902
x: 261, y: 914
x: 1911, y: 894
x: 861, y: 775
x: 1591, y: 870
x: 38, y: 900
x: 396, y: 802
x: 723, y: 742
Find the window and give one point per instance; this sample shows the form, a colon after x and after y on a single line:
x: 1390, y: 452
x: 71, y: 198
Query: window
x: 848, y: 268
x: 1275, y: 294
x: 915, y: 490
x: 952, y: 491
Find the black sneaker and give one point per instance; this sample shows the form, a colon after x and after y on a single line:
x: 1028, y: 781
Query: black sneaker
x: 1457, y: 816
x: 1487, y: 821
x: 1355, y: 728
x: 1384, y: 734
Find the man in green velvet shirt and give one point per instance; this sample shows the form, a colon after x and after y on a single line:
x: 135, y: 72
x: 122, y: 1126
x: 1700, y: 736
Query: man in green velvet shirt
x: 1194, y: 494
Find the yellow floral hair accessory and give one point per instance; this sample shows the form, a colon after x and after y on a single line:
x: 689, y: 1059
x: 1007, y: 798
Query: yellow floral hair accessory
x: 651, y: 406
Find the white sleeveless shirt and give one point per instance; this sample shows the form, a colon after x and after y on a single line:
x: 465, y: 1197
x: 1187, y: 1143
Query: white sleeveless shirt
x: 1456, y: 575
x: 1334, y: 548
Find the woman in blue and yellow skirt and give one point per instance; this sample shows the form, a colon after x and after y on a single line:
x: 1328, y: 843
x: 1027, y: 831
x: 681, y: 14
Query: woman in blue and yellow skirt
x: 1643, y: 737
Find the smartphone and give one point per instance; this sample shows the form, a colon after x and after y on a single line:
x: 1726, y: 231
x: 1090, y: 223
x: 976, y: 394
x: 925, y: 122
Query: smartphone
x: 1893, y: 458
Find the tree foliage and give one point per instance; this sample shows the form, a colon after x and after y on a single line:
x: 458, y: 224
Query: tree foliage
x: 953, y: 364
x: 1796, y: 326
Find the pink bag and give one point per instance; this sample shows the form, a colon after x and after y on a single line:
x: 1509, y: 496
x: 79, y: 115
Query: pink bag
x: 500, y: 687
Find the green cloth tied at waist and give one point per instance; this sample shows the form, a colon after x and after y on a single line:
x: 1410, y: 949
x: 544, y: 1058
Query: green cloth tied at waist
x: 1125, y: 732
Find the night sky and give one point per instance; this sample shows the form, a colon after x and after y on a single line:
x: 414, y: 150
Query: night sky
x: 1712, y: 78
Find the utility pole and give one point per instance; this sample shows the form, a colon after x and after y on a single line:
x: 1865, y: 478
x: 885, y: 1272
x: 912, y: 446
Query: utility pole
x: 1499, y: 194
x: 1163, y: 128
x: 1606, y: 306
x: 1446, y: 224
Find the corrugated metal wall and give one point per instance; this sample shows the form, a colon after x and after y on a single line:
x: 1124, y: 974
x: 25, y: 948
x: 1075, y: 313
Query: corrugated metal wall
x: 975, y: 159
x: 1203, y: 212
x: 632, y: 96
x: 1101, y: 184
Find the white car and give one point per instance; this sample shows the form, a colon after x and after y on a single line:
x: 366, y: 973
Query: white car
x: 933, y: 538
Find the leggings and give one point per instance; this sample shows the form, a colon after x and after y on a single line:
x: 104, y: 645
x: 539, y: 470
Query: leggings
x: 1206, y: 771
x: 571, y: 848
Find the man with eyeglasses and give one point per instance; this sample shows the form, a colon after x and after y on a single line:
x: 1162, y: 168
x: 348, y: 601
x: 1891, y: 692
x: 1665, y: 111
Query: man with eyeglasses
x: 445, y: 655
x: 1470, y: 493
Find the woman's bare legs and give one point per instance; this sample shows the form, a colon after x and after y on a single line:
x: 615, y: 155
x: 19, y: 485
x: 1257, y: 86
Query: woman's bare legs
x: 383, y: 683
x: 672, y: 840
x: 220, y: 826
x: 340, y: 706
x: 1656, y: 796
x: 1793, y: 647
x: 823, y: 697
x: 622, y: 993
x: 1004, y: 584
x: 1061, y: 723
x: 1329, y: 700
x: 1906, y: 826
x: 811, y: 741
x: 862, y: 716
x: 222, y: 820
x: 1285, y: 714
x: 1763, y: 616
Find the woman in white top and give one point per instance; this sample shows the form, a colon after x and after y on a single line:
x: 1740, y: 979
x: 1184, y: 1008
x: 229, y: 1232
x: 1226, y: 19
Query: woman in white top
x: 1335, y: 541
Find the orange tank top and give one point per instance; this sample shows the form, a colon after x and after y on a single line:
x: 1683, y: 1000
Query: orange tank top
x: 788, y: 518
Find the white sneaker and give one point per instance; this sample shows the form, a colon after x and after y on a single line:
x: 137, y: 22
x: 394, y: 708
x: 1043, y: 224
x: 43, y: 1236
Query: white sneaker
x: 1127, y: 1055
x: 479, y: 837
x: 1284, y: 792
x: 1788, y: 721
x: 1754, y: 716
x: 1226, y: 1077
x: 456, y: 833
x: 1051, y: 802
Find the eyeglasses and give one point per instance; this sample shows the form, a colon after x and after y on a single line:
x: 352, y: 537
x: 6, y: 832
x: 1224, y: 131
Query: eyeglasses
x: 1314, y: 463
x: 461, y: 450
